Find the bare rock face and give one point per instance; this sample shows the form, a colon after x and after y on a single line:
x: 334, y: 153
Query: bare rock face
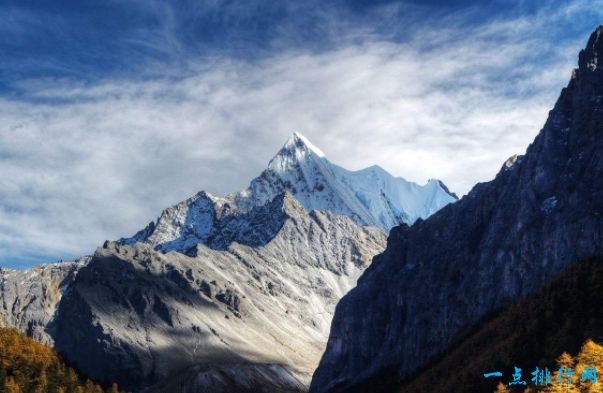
x: 232, y: 378
x: 217, y: 320
x: 497, y: 244
x: 29, y: 298
x: 212, y: 221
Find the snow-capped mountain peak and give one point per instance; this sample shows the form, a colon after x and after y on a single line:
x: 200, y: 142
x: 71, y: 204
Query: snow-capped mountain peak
x: 299, y: 143
x: 294, y: 152
x: 370, y: 197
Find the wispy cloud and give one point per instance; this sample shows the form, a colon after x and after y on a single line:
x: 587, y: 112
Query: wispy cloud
x: 85, y: 161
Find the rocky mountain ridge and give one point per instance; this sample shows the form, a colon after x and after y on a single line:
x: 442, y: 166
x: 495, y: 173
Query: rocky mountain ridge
x: 139, y: 316
x: 243, y: 317
x: 371, y: 197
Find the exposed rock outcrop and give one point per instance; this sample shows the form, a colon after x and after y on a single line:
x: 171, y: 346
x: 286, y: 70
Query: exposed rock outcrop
x: 139, y: 317
x: 29, y: 298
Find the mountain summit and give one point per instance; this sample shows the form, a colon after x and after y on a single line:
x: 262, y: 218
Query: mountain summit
x: 370, y: 197
x: 299, y: 145
x: 589, y: 56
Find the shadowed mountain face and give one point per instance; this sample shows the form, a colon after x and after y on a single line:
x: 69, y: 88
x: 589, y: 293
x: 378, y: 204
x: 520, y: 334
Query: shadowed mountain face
x: 504, y: 239
x: 554, y: 319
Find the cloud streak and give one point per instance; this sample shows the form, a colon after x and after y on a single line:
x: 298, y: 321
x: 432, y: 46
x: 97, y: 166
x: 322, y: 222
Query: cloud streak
x: 81, y: 162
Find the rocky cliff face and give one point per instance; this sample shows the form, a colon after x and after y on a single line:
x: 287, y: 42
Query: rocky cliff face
x: 242, y: 318
x: 29, y: 298
x: 497, y: 244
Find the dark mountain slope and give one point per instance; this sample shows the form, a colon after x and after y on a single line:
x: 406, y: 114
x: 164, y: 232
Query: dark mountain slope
x: 533, y: 332
x: 499, y: 243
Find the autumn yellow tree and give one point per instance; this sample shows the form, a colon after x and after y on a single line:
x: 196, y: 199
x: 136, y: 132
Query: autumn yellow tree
x: 588, y: 361
x: 11, y: 386
x: 30, y: 367
x: 564, y: 378
x: 584, y: 368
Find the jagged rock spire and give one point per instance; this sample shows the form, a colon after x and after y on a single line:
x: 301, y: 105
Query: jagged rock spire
x: 589, y: 56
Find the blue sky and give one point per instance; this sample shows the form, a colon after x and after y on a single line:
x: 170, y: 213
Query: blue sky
x: 111, y: 111
x: 94, y: 40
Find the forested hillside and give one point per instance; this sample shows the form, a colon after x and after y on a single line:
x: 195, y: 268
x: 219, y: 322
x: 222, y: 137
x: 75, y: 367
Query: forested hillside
x: 29, y: 367
x: 560, y: 317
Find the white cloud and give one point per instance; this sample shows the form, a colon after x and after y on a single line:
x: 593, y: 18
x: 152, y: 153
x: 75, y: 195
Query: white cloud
x: 83, y: 163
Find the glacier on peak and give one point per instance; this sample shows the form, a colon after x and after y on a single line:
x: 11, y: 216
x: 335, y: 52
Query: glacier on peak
x: 370, y: 196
